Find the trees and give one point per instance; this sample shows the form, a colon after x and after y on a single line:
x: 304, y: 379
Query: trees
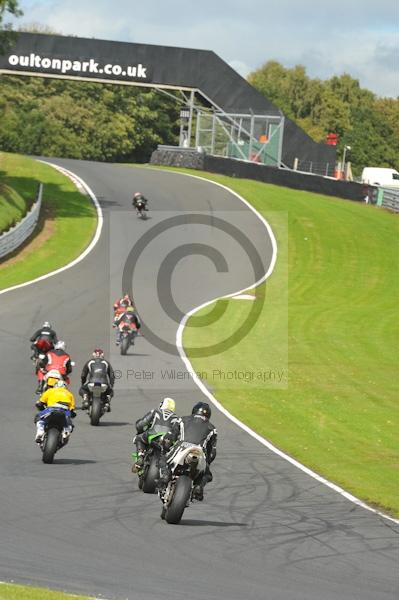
x: 95, y: 121
x: 6, y: 34
x: 338, y: 105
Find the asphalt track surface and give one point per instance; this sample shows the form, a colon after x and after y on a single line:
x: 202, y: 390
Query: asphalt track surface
x: 265, y: 531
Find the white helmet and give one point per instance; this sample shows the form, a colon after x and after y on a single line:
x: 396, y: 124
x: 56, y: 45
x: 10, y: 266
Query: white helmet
x: 60, y: 384
x: 60, y: 345
x: 47, y: 324
x: 168, y: 404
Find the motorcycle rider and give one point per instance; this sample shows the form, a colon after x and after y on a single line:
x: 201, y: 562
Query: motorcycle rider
x: 100, y: 370
x: 43, y: 339
x: 129, y: 316
x: 56, y: 359
x: 197, y: 429
x: 123, y: 302
x: 137, y: 199
x: 159, y: 419
x: 57, y: 397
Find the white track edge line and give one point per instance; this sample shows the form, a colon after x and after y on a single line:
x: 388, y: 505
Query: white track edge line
x: 218, y: 405
x: 96, y: 237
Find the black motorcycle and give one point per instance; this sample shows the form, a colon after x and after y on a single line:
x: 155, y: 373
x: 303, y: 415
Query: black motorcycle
x: 97, y: 399
x: 128, y: 333
x: 55, y: 420
x: 187, y: 463
x: 141, y: 208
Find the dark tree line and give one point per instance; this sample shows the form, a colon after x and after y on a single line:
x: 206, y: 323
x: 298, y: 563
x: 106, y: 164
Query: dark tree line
x: 105, y: 122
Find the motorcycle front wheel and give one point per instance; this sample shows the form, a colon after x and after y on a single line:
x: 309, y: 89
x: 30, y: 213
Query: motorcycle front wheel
x: 181, y: 494
x: 50, y: 445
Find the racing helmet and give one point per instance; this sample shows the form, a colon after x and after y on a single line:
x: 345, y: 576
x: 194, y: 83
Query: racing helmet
x: 47, y: 324
x: 60, y: 345
x: 202, y: 409
x: 60, y: 384
x: 137, y: 195
x: 130, y: 309
x: 98, y: 353
x: 168, y: 404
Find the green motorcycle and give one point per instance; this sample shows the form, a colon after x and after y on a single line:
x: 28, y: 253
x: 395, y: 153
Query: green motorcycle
x: 148, y: 474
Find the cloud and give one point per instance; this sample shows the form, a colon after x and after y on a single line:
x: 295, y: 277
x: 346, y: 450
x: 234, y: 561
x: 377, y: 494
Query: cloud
x: 359, y: 37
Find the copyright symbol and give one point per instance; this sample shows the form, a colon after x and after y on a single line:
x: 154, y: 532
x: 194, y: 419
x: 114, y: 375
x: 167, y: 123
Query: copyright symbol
x: 202, y: 224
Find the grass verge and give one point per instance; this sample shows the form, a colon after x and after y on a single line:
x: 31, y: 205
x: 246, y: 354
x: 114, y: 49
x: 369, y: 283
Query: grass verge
x: 10, y: 591
x: 68, y: 217
x: 12, y: 207
x: 338, y: 411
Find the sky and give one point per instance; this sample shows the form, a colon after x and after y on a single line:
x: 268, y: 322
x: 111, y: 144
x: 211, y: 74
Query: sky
x: 358, y: 37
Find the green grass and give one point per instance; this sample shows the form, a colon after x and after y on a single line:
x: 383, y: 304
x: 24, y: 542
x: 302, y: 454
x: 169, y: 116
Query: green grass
x: 10, y: 591
x: 338, y: 410
x: 72, y: 216
x: 12, y: 207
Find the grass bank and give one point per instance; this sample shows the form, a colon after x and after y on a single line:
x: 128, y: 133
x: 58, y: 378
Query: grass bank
x: 337, y: 410
x: 10, y: 591
x: 67, y: 225
x: 12, y: 207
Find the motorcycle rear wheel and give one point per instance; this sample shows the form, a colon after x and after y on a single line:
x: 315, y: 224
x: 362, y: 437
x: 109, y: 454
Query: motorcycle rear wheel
x: 182, y: 491
x: 125, y: 345
x: 50, y: 445
x: 95, y: 412
x: 152, y: 473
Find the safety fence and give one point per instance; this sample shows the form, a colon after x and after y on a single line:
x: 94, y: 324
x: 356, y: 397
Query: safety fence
x: 189, y: 158
x: 388, y: 198
x: 17, y: 235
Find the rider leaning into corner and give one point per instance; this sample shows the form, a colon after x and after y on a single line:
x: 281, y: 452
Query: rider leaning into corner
x: 138, y: 199
x: 197, y: 429
x: 58, y: 397
x: 162, y: 419
x: 43, y: 339
x: 97, y: 369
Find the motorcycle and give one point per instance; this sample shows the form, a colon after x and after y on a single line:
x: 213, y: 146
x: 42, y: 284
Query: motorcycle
x: 48, y: 379
x: 40, y: 349
x: 149, y: 472
x: 186, y: 462
x: 55, y: 420
x: 128, y: 332
x: 141, y: 209
x: 97, y: 399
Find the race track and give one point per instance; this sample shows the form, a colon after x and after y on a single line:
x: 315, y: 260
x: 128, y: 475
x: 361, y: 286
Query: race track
x: 266, y: 530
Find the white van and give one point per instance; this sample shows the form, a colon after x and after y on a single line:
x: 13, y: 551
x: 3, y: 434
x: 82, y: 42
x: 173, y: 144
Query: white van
x: 381, y: 177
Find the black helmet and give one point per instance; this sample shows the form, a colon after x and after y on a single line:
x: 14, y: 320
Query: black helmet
x: 203, y: 409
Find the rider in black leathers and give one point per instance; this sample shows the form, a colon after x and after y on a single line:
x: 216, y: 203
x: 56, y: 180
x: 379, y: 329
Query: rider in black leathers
x: 197, y: 429
x: 100, y: 370
x: 137, y: 199
x: 47, y: 333
x: 162, y: 419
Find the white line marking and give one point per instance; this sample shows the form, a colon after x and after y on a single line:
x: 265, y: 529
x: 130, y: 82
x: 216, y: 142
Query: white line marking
x: 100, y: 221
x: 244, y: 297
x: 207, y: 393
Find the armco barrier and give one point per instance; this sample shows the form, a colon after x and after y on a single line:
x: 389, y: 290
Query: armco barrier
x: 189, y: 158
x: 14, y: 237
x: 388, y: 198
